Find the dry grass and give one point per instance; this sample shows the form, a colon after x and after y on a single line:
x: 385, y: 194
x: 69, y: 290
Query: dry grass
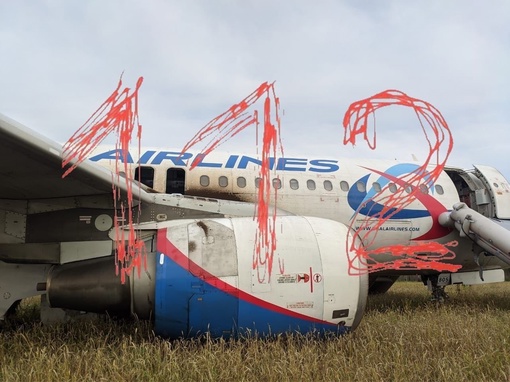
x: 403, y: 337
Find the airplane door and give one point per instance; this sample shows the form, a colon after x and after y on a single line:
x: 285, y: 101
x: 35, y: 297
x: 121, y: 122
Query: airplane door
x: 175, y: 181
x: 499, y: 189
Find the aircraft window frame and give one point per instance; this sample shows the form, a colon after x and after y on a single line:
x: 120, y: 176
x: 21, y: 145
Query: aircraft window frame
x: 424, y: 189
x: 277, y: 183
x: 294, y: 184
x: 376, y: 186
x: 392, y: 187
x: 223, y: 181
x: 140, y: 173
x: 344, y: 185
x: 204, y: 181
x: 310, y: 184
x: 328, y: 186
x: 439, y: 189
x: 241, y: 182
x: 362, y: 187
x: 257, y: 181
x: 408, y: 188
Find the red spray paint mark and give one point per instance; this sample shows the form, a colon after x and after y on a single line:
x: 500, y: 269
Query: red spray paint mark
x: 227, y: 125
x: 119, y: 113
x: 420, y: 255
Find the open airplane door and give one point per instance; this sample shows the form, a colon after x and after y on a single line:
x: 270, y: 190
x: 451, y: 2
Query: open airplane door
x: 499, y: 189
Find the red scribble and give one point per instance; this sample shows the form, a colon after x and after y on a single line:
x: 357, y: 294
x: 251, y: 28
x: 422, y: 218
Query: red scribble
x: 119, y: 113
x: 227, y: 125
x: 420, y: 255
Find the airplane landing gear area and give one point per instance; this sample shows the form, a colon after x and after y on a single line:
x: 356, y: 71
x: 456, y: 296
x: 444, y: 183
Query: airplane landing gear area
x: 438, y: 291
x: 380, y: 284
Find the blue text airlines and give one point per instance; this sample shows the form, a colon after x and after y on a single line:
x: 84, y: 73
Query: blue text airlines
x: 174, y: 158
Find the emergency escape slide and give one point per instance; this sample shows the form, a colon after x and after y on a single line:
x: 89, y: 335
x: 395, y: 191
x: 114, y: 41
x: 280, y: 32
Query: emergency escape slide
x: 493, y: 236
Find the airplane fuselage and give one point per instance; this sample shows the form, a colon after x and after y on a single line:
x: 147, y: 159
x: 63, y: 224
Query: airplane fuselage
x: 342, y: 190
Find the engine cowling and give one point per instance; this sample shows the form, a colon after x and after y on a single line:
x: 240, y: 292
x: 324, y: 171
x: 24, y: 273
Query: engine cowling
x: 209, y: 278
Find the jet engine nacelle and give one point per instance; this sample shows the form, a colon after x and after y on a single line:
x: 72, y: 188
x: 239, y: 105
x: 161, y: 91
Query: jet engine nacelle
x: 213, y: 276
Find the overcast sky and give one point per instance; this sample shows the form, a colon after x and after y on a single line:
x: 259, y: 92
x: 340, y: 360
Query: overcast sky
x: 61, y: 59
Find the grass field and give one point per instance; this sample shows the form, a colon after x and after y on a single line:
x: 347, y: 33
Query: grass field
x: 403, y: 337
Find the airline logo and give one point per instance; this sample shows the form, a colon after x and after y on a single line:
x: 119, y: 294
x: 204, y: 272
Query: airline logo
x: 153, y: 157
x: 362, y: 201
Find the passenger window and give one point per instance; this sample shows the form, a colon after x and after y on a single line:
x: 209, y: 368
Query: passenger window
x: 310, y: 184
x: 361, y: 186
x: 328, y: 186
x: 241, y: 182
x: 223, y: 181
x: 204, y: 181
x: 257, y: 182
x: 344, y: 186
x: 294, y: 184
x: 424, y: 189
x: 145, y: 175
x: 439, y: 189
x: 277, y: 184
x: 392, y: 187
x: 175, y: 181
x: 376, y: 186
x: 409, y: 189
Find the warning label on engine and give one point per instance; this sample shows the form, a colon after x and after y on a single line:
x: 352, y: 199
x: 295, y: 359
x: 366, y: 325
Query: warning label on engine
x: 287, y: 279
x: 300, y: 305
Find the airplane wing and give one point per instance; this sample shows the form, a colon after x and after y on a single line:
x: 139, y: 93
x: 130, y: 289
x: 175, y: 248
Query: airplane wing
x: 30, y: 168
x: 42, y: 214
x: 31, y: 172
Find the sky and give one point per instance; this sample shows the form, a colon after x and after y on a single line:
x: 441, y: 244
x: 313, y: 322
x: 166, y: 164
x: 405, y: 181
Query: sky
x: 61, y: 59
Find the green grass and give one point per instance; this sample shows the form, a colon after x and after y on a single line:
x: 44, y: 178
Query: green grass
x: 403, y: 337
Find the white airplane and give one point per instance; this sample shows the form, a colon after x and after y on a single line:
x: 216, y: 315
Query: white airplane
x: 203, y: 272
